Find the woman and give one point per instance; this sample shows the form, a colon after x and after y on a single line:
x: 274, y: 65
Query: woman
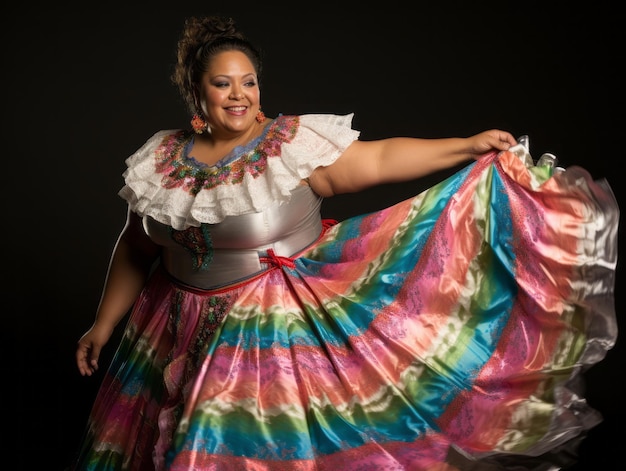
x: 438, y: 333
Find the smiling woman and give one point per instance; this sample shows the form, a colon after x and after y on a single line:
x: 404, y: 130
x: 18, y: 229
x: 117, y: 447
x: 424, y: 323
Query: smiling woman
x: 446, y: 331
x: 220, y: 85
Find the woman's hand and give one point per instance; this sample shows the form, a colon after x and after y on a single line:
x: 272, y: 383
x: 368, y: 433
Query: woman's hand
x: 486, y: 141
x: 89, y: 348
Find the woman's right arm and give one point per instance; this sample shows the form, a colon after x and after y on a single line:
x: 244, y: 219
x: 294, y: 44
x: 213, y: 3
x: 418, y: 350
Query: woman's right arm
x: 130, y: 265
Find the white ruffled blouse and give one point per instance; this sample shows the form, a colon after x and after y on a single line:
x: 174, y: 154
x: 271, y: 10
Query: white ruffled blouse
x: 163, y: 182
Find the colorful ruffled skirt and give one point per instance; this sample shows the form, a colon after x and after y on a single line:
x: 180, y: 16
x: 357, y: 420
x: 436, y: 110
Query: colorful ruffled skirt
x: 457, y: 321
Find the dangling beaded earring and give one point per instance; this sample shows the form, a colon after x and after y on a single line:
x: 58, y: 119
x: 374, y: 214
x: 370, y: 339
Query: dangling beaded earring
x: 260, y: 116
x: 198, y: 124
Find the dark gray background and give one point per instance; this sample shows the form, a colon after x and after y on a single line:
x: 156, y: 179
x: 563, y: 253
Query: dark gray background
x: 85, y: 87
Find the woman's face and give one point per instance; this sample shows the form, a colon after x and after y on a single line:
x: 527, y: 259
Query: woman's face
x: 229, y: 93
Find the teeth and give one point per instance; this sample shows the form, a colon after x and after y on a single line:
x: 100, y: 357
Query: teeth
x: 237, y: 108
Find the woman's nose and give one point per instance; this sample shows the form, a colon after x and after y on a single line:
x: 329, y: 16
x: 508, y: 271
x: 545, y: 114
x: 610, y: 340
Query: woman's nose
x: 236, y: 95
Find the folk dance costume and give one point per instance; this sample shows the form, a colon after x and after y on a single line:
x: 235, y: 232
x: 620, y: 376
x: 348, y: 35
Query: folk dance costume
x: 268, y: 338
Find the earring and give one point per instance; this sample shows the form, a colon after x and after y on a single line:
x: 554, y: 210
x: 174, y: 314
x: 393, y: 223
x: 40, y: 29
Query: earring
x: 198, y: 124
x: 260, y: 116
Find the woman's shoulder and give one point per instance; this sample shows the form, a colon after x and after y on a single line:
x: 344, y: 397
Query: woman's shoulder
x: 318, y: 131
x: 312, y: 128
x: 167, y: 135
x: 164, y: 137
x: 315, y: 119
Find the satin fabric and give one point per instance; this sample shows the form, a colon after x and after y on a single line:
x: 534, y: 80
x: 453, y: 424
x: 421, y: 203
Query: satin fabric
x: 459, y: 319
x: 232, y: 250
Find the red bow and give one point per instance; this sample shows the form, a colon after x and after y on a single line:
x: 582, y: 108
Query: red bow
x: 277, y: 260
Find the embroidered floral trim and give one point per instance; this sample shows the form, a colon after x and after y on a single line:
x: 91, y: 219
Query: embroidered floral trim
x: 178, y: 173
x: 214, y: 309
x: 212, y: 313
x: 198, y: 242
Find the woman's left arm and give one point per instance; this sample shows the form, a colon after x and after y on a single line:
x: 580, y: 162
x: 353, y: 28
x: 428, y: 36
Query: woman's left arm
x: 369, y: 163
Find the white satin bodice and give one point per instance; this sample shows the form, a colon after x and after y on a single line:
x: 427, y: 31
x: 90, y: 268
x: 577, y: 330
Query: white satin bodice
x: 215, y: 255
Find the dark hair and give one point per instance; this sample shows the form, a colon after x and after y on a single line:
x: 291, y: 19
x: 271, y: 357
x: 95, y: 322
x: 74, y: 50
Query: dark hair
x: 201, y: 39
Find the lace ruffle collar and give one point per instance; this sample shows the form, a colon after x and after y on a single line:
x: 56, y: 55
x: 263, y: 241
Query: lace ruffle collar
x: 163, y: 182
